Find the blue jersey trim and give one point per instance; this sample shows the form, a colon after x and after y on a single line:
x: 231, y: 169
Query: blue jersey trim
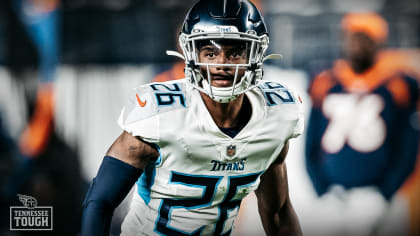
x: 145, y: 182
x: 147, y: 179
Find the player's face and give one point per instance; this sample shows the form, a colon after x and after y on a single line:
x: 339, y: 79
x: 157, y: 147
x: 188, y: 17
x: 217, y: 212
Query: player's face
x: 223, y: 52
x: 360, y: 48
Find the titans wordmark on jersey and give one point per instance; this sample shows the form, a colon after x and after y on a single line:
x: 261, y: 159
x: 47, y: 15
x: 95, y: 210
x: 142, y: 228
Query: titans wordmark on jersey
x: 197, y: 183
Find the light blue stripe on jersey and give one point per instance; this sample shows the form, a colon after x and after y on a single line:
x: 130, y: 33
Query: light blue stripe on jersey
x: 146, y: 180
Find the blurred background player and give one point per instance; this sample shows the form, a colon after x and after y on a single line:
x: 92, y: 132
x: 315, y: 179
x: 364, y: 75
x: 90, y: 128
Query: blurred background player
x: 38, y: 19
x: 40, y: 163
x: 361, y: 145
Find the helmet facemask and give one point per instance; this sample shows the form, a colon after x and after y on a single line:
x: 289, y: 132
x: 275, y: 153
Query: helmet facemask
x: 243, y: 59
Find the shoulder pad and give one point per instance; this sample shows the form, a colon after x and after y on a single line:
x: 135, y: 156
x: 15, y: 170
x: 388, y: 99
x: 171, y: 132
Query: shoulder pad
x: 147, y: 102
x: 276, y: 94
x: 289, y: 104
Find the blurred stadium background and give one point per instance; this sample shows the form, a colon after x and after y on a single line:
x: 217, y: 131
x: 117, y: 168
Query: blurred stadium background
x: 101, y: 49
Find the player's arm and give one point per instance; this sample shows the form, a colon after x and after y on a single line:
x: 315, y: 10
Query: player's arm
x: 313, y: 152
x: 121, y: 167
x: 277, y: 214
x: 405, y: 146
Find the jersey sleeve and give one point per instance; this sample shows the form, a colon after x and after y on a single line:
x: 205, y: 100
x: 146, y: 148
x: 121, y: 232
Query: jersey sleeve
x: 300, y: 124
x: 405, y: 142
x: 286, y: 104
x: 139, y: 116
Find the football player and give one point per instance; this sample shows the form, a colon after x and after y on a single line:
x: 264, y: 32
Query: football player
x: 360, y: 136
x: 195, y: 147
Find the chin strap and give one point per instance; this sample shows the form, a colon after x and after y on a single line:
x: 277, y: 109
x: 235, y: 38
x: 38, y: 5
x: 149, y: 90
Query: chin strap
x: 222, y: 95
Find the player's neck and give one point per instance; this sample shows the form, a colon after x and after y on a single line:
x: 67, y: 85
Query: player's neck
x: 228, y: 115
x: 361, y: 65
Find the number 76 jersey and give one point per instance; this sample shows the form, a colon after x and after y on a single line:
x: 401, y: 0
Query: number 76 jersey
x: 196, y: 185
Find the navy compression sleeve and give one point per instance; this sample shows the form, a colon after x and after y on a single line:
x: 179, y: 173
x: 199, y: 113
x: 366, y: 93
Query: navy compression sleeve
x: 110, y: 186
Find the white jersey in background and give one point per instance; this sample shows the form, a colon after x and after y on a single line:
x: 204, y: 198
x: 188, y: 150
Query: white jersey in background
x: 201, y: 175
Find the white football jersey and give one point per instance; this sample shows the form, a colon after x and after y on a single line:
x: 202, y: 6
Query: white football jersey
x: 196, y: 185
